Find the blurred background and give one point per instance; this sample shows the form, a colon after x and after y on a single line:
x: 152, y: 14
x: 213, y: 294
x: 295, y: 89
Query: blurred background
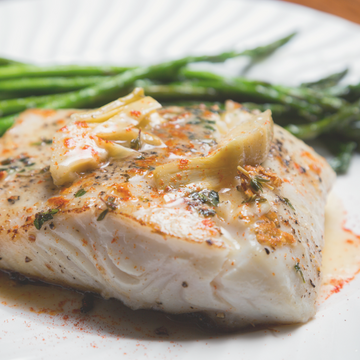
x: 348, y: 9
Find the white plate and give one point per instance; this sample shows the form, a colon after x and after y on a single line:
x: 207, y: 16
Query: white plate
x: 142, y: 32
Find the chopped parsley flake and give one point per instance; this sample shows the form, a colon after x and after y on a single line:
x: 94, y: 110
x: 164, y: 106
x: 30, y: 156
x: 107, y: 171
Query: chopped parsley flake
x: 209, y: 127
x: 207, y: 197
x: 102, y: 215
x: 80, y: 192
x: 42, y: 217
x: 287, y: 202
x: 207, y: 212
x: 136, y: 143
x: 110, y: 205
x: 256, y: 183
x: 42, y: 142
x: 298, y: 269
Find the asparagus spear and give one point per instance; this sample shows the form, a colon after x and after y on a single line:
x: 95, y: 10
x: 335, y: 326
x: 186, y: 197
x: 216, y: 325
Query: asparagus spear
x: 176, y: 91
x: 164, y: 71
x: 338, y: 120
x: 352, y: 131
x: 113, y: 85
x: 21, y: 71
x: 262, y: 52
x: 18, y: 70
x: 6, y: 122
x: 12, y: 106
x: 353, y: 92
x: 15, y: 105
x: 251, y: 89
x: 6, y: 61
x: 51, y: 85
x: 303, y: 99
x: 343, y: 153
x: 326, y: 82
x: 163, y: 92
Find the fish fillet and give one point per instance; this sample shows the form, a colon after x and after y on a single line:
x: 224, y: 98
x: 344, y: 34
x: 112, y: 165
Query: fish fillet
x: 241, y: 253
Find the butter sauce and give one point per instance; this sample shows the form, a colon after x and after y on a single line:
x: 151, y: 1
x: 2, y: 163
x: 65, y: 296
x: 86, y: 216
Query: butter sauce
x: 58, y: 307
x: 341, y: 254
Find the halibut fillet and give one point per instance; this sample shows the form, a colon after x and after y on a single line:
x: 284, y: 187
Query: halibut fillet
x: 243, y: 247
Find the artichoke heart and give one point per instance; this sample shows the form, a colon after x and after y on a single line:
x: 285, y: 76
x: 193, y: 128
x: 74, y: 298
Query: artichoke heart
x: 246, y: 143
x: 94, y: 136
x: 109, y: 110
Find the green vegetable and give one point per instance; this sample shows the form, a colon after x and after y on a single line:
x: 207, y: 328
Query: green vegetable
x: 326, y: 82
x: 25, y: 71
x: 344, y: 151
x: 51, y: 85
x: 164, y: 71
x: 262, y: 52
x: 15, y: 69
x: 338, y: 120
x: 6, y: 61
x: 305, y: 100
x: 12, y: 106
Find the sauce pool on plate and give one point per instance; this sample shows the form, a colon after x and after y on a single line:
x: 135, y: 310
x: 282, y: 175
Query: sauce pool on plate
x: 341, y: 254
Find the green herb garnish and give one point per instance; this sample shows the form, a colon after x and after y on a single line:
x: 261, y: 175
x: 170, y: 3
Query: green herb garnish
x: 80, y: 192
x: 287, y: 202
x: 136, y: 143
x: 42, y: 217
x: 207, y: 212
x: 6, y: 162
x: 254, y: 198
x: 207, y: 197
x: 44, y: 170
x: 126, y: 176
x: 194, y: 122
x: 102, y: 215
x: 110, y: 203
x: 256, y: 183
x: 43, y: 141
x: 209, y: 127
x: 213, y: 197
x: 298, y: 269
